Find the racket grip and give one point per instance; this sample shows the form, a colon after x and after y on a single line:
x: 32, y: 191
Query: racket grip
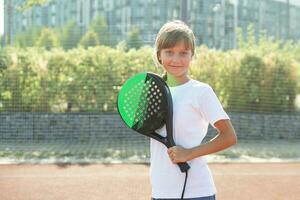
x: 183, y: 166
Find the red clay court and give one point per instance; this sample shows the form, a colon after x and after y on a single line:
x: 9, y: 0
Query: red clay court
x: 235, y: 181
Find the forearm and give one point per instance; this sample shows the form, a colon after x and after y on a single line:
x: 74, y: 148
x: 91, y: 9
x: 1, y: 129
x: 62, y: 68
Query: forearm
x: 223, y: 140
x: 219, y: 143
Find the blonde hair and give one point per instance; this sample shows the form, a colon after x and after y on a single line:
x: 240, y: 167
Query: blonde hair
x: 171, y: 34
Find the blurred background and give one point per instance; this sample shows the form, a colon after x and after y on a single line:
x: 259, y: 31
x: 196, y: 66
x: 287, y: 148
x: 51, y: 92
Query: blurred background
x: 63, y: 62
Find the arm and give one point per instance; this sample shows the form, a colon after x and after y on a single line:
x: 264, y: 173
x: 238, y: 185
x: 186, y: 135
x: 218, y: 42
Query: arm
x: 226, y: 137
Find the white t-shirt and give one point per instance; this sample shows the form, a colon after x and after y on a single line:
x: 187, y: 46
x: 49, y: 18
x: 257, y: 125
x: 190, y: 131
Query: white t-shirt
x: 195, y: 105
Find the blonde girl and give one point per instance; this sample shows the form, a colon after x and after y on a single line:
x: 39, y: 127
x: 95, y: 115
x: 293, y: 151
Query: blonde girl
x: 195, y: 106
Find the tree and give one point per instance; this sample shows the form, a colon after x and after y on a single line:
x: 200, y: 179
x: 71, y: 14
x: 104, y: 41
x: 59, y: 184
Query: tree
x: 99, y: 26
x: 133, y: 39
x: 28, y: 38
x: 48, y: 39
x: 27, y: 4
x: 89, y: 39
x: 70, y: 36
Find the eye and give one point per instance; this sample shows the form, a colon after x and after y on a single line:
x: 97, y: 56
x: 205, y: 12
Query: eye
x: 169, y: 52
x: 184, y: 53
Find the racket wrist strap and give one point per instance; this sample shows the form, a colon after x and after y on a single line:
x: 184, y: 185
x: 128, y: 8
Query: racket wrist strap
x: 183, y: 190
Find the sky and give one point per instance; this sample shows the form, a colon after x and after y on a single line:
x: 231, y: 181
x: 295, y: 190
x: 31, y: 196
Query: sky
x: 1, y: 17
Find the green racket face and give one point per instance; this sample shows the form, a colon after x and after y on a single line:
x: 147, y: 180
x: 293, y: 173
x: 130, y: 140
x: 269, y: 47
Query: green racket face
x: 141, y: 102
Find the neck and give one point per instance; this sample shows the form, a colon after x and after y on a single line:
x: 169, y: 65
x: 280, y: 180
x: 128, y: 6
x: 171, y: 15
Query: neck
x: 175, y: 81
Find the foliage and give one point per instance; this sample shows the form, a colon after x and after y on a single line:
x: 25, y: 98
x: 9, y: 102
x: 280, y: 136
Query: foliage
x: 90, y: 39
x: 261, y: 76
x: 262, y: 47
x: 48, y: 39
x: 99, y: 26
x: 27, y: 4
x: 75, y: 81
x: 134, y: 39
x: 27, y: 38
x: 70, y: 35
x: 218, y: 69
x: 23, y: 84
x: 264, y: 84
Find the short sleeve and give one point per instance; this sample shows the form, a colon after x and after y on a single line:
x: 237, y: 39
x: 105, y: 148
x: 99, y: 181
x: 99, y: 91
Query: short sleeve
x: 210, y: 106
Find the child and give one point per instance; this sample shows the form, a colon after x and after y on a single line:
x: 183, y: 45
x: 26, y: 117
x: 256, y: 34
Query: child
x: 195, y: 105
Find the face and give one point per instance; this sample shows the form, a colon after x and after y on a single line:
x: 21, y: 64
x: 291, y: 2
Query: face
x: 176, y: 61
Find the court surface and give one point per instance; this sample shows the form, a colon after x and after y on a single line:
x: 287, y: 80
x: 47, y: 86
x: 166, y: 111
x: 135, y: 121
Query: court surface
x: 234, y: 181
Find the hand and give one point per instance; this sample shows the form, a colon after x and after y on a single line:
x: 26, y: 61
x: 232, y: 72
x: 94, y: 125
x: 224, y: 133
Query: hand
x: 178, y: 154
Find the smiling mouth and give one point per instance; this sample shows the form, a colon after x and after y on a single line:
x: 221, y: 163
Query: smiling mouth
x: 174, y: 66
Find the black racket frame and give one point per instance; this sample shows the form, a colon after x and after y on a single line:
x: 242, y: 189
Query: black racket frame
x: 168, y: 141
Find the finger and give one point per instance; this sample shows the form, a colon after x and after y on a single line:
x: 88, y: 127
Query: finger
x: 173, y: 160
x: 170, y: 151
x: 172, y: 157
x: 169, y: 154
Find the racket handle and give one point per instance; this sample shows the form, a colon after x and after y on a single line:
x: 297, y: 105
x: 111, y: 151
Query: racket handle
x: 184, y: 167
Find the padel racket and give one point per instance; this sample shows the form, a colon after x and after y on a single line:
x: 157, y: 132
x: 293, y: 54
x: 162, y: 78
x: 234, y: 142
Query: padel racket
x: 145, y: 105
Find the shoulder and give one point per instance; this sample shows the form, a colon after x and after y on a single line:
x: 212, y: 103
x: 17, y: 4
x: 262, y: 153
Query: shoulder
x: 199, y: 84
x: 200, y: 88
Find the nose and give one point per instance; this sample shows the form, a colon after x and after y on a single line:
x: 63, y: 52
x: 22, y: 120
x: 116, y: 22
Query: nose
x: 176, y: 58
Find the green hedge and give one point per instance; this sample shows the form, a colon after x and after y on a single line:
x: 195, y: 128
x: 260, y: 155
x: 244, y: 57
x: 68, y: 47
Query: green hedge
x: 33, y: 79
x: 88, y: 80
x: 249, y: 81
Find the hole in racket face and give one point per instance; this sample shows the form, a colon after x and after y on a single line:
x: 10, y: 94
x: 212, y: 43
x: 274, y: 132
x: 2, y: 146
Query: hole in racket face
x: 142, y: 103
